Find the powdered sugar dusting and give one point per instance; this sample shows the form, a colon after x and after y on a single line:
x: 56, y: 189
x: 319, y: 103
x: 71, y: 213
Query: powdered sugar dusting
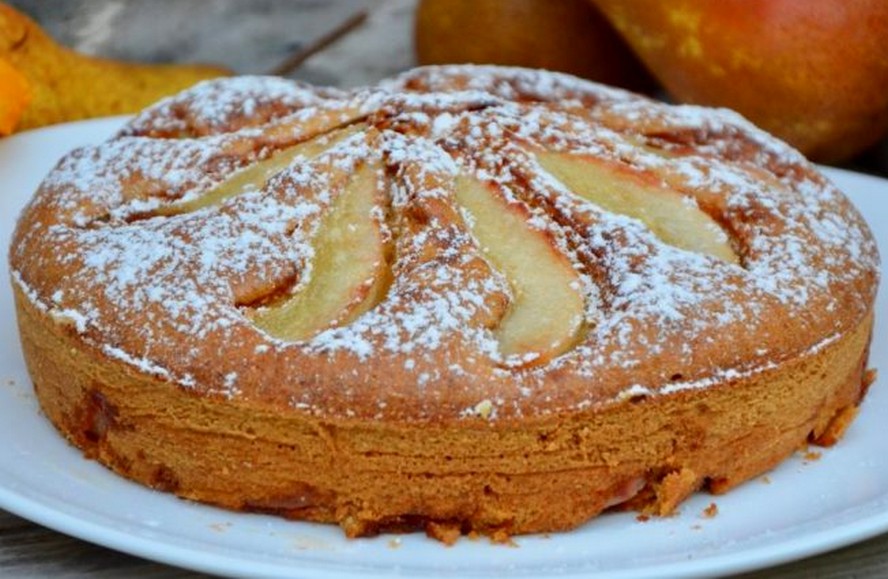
x: 222, y: 105
x: 171, y: 291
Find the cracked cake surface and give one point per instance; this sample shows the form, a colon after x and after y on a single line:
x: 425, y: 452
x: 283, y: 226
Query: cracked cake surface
x: 457, y: 294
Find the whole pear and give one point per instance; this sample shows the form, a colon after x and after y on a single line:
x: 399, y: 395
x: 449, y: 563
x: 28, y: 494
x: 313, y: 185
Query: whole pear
x: 813, y: 72
x: 563, y: 35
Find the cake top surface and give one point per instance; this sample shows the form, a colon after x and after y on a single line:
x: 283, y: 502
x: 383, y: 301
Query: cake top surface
x: 455, y: 242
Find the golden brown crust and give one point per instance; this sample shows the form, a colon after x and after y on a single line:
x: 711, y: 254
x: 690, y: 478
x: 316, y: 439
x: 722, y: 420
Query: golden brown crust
x: 140, y: 288
x: 548, y: 474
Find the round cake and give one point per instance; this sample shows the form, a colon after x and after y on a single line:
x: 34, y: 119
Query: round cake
x: 468, y: 299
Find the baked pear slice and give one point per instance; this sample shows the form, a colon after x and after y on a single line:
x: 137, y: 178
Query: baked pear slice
x: 545, y: 317
x: 256, y: 175
x: 349, y: 272
x: 671, y: 216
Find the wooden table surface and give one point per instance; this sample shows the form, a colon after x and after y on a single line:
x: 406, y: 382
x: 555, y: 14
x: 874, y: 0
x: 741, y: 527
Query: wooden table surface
x: 381, y: 46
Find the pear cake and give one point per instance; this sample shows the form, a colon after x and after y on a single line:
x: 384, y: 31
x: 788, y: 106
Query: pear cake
x: 468, y: 299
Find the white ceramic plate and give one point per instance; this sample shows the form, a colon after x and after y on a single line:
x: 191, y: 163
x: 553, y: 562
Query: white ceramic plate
x: 802, y: 508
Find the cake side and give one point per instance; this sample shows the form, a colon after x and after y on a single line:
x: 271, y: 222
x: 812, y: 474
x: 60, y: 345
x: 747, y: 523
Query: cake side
x: 502, y: 477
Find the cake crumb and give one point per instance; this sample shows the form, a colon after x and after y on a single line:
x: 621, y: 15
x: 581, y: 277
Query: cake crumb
x: 220, y: 527
x: 395, y: 543
x: 870, y: 376
x: 447, y: 533
x: 642, y: 518
x: 711, y: 511
x: 502, y: 537
x: 812, y: 456
x: 836, y: 428
x: 766, y: 479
